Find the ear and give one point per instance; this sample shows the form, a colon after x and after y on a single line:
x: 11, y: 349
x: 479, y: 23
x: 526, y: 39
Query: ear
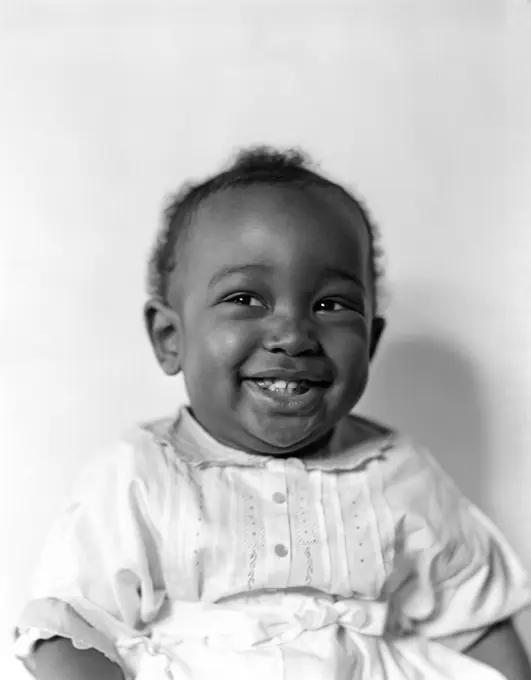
x: 378, y: 327
x: 164, y: 329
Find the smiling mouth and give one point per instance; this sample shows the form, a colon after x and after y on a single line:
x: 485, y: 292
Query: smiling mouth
x: 289, y: 388
x: 284, y: 387
x: 287, y: 397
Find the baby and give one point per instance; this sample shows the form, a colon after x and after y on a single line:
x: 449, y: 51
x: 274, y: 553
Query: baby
x: 264, y: 531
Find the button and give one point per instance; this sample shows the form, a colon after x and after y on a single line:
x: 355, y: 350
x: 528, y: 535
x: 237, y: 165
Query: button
x: 360, y: 618
x: 279, y: 497
x: 281, y: 550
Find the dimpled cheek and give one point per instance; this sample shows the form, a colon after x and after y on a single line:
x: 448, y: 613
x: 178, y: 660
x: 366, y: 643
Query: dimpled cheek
x: 228, y: 349
x: 357, y: 384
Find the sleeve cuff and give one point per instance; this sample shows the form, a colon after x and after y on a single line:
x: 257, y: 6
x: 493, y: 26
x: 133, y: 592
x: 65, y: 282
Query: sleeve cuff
x: 48, y: 618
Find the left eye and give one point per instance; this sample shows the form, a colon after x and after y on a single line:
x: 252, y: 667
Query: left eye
x: 245, y: 299
x: 330, y: 306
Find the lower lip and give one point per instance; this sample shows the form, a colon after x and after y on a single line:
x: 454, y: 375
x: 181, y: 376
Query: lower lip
x: 295, y: 403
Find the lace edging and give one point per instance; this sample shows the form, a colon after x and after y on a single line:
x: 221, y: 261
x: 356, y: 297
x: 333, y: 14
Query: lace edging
x: 27, y: 638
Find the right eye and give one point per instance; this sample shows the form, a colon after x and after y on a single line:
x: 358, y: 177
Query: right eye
x: 244, y: 299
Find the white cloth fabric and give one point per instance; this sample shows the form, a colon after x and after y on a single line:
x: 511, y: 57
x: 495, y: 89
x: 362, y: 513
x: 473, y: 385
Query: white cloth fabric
x: 180, y: 558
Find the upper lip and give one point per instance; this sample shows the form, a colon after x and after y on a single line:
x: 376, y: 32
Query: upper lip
x: 290, y: 374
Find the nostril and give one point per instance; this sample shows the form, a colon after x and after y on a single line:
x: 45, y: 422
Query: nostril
x: 291, y: 338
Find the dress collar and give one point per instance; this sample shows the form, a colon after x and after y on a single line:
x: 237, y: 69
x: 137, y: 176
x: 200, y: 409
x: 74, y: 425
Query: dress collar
x: 354, y: 443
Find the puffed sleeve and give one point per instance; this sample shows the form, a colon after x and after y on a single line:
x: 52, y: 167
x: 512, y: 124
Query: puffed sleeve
x: 100, y: 575
x: 455, y: 573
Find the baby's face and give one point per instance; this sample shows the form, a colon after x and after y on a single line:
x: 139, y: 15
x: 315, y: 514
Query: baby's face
x: 275, y: 289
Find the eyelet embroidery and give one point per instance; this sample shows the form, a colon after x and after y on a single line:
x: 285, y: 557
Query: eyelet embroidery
x: 195, y: 528
x: 305, y: 530
x: 200, y: 515
x: 254, y: 536
x: 358, y: 529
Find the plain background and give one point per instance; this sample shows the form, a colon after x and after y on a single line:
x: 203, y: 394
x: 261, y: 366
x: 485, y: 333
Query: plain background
x: 422, y: 107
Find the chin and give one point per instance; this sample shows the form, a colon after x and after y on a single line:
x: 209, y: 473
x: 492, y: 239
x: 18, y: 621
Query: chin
x: 281, y: 445
x: 288, y: 442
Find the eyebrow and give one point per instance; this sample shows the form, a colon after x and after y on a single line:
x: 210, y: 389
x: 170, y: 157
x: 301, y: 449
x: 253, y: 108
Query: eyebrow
x: 350, y: 277
x: 238, y: 269
x: 330, y: 272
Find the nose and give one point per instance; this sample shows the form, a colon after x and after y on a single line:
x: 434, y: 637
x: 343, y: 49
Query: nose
x: 291, y: 336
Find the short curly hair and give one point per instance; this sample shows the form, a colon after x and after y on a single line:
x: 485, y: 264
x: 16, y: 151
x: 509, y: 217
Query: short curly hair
x: 254, y: 165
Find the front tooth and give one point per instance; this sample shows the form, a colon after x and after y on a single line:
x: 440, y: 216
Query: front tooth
x: 292, y: 386
x: 287, y: 386
x: 274, y: 385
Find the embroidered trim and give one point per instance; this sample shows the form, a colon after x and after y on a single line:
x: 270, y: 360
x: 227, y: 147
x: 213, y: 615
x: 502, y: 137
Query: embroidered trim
x: 254, y: 536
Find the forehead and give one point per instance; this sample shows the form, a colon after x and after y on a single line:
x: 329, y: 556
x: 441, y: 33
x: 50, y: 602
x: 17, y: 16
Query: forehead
x: 308, y: 226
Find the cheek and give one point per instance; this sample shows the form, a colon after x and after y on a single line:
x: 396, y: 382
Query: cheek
x: 227, y: 346
x: 350, y: 348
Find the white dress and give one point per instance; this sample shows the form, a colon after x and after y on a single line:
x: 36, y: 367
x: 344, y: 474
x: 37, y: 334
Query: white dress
x: 182, y: 559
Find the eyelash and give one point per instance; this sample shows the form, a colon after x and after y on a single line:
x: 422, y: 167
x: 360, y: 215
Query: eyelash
x: 351, y: 307
x: 334, y: 302
x: 233, y: 298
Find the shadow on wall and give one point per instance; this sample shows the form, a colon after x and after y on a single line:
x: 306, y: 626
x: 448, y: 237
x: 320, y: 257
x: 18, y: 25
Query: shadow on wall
x: 428, y: 390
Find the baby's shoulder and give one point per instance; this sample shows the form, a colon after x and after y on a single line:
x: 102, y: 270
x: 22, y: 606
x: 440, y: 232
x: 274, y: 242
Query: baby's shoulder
x: 399, y: 453
x: 139, y: 456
